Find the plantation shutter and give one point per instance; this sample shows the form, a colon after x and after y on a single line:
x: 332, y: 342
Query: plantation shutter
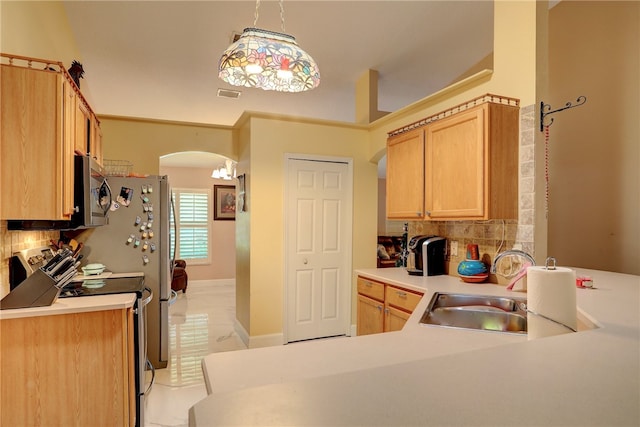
x: 192, y: 225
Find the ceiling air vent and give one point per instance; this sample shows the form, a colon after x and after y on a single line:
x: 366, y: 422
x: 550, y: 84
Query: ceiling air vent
x: 228, y: 93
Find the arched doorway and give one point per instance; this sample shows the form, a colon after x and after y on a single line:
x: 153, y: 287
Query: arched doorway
x: 190, y: 176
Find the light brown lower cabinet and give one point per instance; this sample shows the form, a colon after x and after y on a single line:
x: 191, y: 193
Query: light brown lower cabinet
x: 383, y: 307
x: 68, y: 370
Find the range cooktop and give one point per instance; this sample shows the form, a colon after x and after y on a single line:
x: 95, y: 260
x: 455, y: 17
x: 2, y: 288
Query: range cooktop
x: 110, y: 285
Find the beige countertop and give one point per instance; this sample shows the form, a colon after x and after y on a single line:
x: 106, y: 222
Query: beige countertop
x: 428, y: 375
x: 79, y: 304
x: 73, y: 305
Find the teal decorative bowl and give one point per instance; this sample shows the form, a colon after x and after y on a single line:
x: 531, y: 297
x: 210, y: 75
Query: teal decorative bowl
x: 471, y: 267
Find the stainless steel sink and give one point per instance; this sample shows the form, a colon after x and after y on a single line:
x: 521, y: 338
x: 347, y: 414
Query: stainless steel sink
x: 467, y: 311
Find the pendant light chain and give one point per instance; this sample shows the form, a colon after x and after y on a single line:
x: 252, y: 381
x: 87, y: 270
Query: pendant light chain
x: 282, y: 15
x: 256, y: 15
x: 268, y: 60
x: 255, y: 19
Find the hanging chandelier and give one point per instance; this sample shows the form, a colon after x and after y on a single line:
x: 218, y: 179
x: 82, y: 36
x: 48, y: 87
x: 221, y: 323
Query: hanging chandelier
x: 226, y: 172
x: 268, y: 60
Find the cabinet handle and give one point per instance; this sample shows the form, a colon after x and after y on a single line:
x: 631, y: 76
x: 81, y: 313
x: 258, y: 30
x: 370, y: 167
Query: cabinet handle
x: 428, y: 213
x: 401, y: 294
x: 386, y: 311
x: 379, y: 308
x: 418, y: 213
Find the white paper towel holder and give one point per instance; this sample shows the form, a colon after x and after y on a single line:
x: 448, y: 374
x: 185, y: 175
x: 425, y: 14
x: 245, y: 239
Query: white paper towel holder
x: 547, y: 261
x: 523, y: 306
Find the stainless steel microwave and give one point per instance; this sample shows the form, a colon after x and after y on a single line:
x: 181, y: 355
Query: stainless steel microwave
x: 92, y: 195
x: 91, y: 198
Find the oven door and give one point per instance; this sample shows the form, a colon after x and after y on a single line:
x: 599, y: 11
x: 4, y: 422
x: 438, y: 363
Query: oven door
x: 141, y: 361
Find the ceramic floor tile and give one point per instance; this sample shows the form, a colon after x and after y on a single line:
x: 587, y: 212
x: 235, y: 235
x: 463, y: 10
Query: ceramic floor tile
x: 200, y: 322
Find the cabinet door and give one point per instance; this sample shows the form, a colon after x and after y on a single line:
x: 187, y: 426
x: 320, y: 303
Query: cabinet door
x: 83, y: 127
x: 370, y: 316
x: 395, y: 319
x: 36, y: 169
x: 68, y: 370
x: 69, y: 101
x: 95, y: 144
x: 455, y: 166
x: 405, y: 175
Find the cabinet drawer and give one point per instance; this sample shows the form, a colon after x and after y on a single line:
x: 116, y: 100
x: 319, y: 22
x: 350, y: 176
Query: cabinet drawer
x: 402, y: 298
x: 371, y: 289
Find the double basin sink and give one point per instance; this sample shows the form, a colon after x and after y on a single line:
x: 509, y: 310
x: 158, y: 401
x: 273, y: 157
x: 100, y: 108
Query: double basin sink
x: 467, y: 311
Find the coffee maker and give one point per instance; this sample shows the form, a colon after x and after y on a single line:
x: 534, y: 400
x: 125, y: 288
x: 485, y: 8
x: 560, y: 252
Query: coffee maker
x: 426, y: 255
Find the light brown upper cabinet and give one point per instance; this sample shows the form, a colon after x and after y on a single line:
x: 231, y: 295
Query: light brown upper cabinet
x: 470, y: 169
x: 36, y: 150
x: 95, y: 142
x: 405, y: 175
x: 83, y: 127
x: 88, y: 137
x: 44, y: 120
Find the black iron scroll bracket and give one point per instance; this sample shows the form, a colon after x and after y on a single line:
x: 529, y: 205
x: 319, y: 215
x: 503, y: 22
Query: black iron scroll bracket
x: 544, y: 110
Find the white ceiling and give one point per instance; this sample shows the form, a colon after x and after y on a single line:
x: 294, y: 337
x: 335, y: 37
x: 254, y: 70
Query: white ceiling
x: 158, y: 59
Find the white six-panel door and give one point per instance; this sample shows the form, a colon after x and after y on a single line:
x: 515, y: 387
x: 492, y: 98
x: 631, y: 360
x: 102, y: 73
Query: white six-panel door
x: 317, y: 248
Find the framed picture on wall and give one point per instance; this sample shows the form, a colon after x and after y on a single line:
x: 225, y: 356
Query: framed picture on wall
x: 224, y: 202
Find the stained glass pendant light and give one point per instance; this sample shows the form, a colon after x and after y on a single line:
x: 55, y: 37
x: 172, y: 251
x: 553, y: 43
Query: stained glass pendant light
x: 268, y: 60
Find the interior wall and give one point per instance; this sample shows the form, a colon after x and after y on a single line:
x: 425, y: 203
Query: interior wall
x: 270, y: 140
x: 382, y: 206
x: 243, y: 233
x: 143, y: 142
x: 594, y: 201
x: 222, y: 240
x: 39, y: 30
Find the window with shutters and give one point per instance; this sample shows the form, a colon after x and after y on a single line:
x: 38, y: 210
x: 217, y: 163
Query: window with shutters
x: 192, y: 225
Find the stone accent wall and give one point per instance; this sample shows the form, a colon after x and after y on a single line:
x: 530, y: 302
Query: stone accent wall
x: 526, y: 187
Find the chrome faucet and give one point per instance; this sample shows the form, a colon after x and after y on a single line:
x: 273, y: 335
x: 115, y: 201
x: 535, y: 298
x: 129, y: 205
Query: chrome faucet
x: 518, y: 252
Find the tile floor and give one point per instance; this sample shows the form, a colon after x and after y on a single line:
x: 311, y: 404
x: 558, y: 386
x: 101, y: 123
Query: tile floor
x: 201, y: 322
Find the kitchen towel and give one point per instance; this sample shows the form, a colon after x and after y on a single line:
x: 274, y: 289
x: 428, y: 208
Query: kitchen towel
x: 551, y: 293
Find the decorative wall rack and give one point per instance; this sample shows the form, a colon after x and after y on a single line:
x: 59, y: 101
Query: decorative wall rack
x: 580, y: 101
x: 489, y: 97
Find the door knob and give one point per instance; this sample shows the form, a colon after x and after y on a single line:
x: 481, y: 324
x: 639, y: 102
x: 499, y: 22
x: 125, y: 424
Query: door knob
x: 305, y: 261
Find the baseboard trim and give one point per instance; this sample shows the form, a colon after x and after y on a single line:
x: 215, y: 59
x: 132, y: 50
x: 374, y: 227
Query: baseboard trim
x: 212, y: 282
x: 241, y: 331
x: 269, y: 340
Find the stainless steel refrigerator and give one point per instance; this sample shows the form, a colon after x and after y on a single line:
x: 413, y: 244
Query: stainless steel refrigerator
x: 137, y: 239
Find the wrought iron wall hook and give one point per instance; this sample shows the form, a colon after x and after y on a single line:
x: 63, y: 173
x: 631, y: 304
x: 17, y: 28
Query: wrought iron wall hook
x: 580, y: 101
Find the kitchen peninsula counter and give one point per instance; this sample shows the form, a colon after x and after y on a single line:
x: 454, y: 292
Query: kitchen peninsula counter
x: 73, y: 305
x: 429, y: 375
x: 70, y: 363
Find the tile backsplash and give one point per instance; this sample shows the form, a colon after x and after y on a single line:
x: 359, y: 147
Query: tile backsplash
x: 492, y: 237
x: 495, y: 236
x: 13, y: 241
